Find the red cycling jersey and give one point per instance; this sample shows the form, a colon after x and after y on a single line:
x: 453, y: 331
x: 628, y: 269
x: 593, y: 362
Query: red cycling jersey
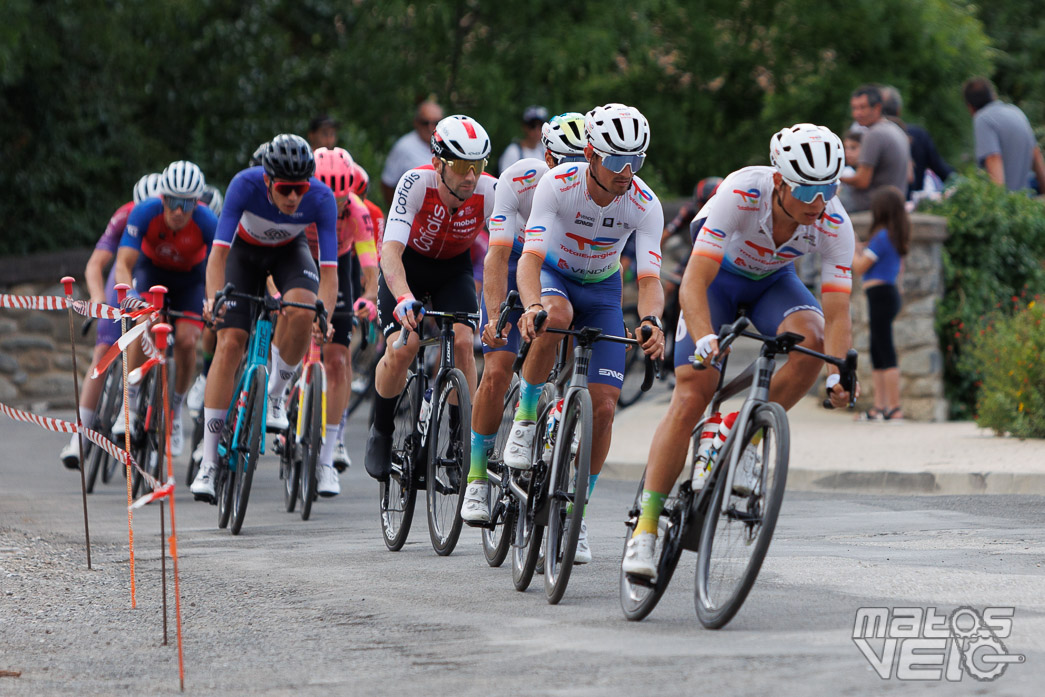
x: 354, y: 229
x: 419, y: 219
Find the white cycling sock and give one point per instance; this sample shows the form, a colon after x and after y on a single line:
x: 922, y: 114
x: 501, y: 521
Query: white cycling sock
x: 280, y: 373
x: 176, y: 401
x: 86, y: 420
x: 213, y: 420
x: 326, y: 453
x: 341, y: 426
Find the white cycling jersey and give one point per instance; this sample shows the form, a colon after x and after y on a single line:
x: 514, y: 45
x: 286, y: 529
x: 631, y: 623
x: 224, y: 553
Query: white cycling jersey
x: 583, y: 241
x: 512, y: 203
x: 737, y: 231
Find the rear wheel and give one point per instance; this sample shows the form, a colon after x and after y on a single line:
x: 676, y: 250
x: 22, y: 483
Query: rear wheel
x: 289, y: 454
x: 449, y: 445
x: 141, y: 446
x: 313, y: 430
x: 97, y: 459
x: 364, y: 360
x: 251, y: 434
x: 399, y: 493
x: 634, y: 365
x: 497, y: 540
x: 738, y: 529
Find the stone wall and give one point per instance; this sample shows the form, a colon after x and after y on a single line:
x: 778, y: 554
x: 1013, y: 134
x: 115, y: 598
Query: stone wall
x: 921, y: 362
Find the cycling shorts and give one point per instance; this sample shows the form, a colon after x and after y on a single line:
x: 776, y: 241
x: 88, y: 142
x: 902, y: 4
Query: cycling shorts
x: 185, y: 289
x: 594, y: 305
x: 290, y: 265
x: 768, y: 301
x: 513, y: 317
x: 448, y: 282
x: 109, y: 329
x: 342, y: 316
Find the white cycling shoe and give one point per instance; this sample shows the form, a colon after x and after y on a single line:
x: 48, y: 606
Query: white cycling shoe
x: 194, y: 400
x: 277, y: 416
x: 177, y: 438
x: 329, y: 483
x: 519, y: 448
x: 748, y: 473
x: 476, y: 505
x: 70, y: 455
x: 341, y: 459
x: 638, y: 556
x: 583, y: 553
x: 203, y: 485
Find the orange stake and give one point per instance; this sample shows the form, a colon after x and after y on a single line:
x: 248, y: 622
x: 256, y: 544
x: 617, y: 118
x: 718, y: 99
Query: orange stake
x: 121, y: 293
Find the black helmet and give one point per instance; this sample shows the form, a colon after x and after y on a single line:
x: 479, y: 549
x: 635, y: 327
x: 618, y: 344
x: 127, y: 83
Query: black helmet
x: 705, y: 189
x: 289, y: 157
x: 255, y: 159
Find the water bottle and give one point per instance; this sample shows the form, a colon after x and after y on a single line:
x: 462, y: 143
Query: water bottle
x: 705, y: 450
x: 554, y: 414
x: 724, y: 429
x: 426, y: 409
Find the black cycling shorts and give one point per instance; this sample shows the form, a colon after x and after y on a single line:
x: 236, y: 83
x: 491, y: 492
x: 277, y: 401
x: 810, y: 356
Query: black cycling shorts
x: 342, y: 316
x: 448, y: 282
x: 290, y: 265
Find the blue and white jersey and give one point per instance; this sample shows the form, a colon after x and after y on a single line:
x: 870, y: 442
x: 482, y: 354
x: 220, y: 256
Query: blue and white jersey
x: 251, y: 215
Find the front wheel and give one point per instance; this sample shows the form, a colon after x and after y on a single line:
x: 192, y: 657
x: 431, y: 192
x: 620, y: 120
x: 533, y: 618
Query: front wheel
x: 737, y: 529
x: 252, y: 431
x: 398, y: 494
x: 497, y: 539
x: 314, y: 427
x: 448, y: 460
x: 290, y: 454
x: 97, y: 459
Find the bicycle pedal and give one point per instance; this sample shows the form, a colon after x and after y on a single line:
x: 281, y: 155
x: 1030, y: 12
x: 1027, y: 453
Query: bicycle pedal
x: 490, y: 525
x: 207, y: 498
x: 637, y: 580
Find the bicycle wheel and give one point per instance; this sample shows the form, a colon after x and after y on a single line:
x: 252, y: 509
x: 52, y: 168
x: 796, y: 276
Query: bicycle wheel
x: 638, y: 596
x: 449, y: 448
x: 313, y: 442
x: 289, y: 453
x: 197, y: 438
x: 567, y: 493
x: 498, y: 538
x: 364, y: 361
x: 733, y: 542
x: 398, y: 495
x: 140, y: 447
x: 251, y: 433
x: 96, y: 458
x: 634, y: 365
x: 527, y: 533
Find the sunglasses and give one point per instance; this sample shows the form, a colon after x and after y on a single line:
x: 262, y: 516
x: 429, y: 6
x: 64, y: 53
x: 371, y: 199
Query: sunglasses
x: 178, y: 202
x: 288, y: 188
x: 563, y: 159
x: 461, y: 167
x: 807, y: 193
x: 617, y: 163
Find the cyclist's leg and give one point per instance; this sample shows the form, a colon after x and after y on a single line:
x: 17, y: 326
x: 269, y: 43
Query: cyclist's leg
x: 338, y: 366
x: 185, y: 294
x: 488, y: 403
x: 295, y: 274
x: 556, y: 300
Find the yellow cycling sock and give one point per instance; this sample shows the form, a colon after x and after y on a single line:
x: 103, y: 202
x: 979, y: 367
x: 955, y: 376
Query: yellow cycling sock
x: 652, y: 503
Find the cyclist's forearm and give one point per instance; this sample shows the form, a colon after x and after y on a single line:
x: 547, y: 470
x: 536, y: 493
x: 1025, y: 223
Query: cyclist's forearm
x: 392, y: 268
x: 651, y: 297
x: 216, y: 269
x: 370, y: 283
x: 495, y: 278
x: 528, y: 278
x: 328, y: 288
x: 693, y: 296
x: 838, y: 335
x: 94, y: 274
x: 125, y: 259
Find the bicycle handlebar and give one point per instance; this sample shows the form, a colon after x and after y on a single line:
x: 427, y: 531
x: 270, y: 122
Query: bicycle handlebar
x: 510, y: 303
x: 229, y: 291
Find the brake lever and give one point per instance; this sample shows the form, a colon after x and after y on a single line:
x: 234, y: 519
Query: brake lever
x: 524, y: 350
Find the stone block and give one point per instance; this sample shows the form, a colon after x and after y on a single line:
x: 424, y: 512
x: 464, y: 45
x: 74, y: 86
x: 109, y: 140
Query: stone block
x: 8, y: 326
x: 921, y: 362
x: 919, y: 306
x: 18, y: 344
x: 63, y: 360
x: 35, y: 361
x: 922, y: 387
x: 39, y: 323
x: 8, y: 392
x: 925, y: 408
x: 54, y: 387
x: 914, y: 332
x: 8, y: 363
x: 20, y: 377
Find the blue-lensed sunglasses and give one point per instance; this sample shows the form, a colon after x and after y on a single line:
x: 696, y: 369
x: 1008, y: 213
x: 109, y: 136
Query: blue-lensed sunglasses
x: 617, y: 163
x: 807, y: 193
x: 176, y: 202
x: 563, y: 159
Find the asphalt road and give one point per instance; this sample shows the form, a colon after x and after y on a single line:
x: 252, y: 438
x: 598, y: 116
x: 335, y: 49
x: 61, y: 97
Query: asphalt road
x: 322, y: 608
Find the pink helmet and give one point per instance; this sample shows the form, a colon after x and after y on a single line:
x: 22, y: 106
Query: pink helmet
x: 336, y: 169
x: 360, y: 181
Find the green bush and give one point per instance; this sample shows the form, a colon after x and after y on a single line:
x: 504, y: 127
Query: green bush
x: 1008, y: 352
x: 994, y: 253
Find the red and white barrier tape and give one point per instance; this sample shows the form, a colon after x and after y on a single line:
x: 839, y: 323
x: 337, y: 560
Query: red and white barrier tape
x: 81, y: 307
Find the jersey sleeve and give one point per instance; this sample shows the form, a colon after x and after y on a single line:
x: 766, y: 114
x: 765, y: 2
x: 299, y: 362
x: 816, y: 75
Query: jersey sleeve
x: 207, y: 223
x: 647, y: 241
x: 232, y: 210
x: 542, y: 217
x: 504, y: 219
x: 137, y: 225
x: 362, y: 232
x: 836, y: 271
x: 110, y: 239
x: 722, y: 216
x: 326, y: 225
x: 409, y: 195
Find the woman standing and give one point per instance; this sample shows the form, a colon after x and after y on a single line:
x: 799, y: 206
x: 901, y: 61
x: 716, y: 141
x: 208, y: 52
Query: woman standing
x: 879, y: 262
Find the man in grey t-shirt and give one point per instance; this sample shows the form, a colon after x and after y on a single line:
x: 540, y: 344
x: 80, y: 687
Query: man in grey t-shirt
x: 413, y: 149
x: 885, y: 151
x: 1005, y: 143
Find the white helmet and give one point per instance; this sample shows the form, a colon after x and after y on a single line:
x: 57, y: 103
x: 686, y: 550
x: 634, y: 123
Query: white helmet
x: 564, y: 134
x: 213, y: 199
x: 616, y: 129
x: 460, y: 137
x: 147, y: 187
x: 807, y: 154
x: 183, y: 179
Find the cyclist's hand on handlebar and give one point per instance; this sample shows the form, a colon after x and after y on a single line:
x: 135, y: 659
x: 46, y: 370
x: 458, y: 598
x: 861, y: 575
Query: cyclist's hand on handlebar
x: 365, y: 309
x: 405, y: 311
x: 527, y: 327
x: 490, y: 336
x: 654, y: 346
x: 839, y: 397
x: 706, y: 349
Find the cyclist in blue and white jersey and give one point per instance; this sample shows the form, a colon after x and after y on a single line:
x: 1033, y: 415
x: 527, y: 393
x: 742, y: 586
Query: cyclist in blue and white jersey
x: 262, y: 231
x: 747, y: 237
x: 564, y: 141
x: 582, y: 216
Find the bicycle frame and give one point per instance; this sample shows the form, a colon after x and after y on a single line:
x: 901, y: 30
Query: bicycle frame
x: 257, y: 359
x: 313, y: 357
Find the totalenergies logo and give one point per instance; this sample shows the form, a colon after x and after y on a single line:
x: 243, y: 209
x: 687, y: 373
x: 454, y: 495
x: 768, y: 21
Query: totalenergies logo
x: 714, y: 232
x: 537, y: 231
x: 498, y: 219
x: 597, y: 244
x: 833, y: 220
x: 527, y: 177
x: 643, y: 194
x: 568, y: 176
x: 750, y: 196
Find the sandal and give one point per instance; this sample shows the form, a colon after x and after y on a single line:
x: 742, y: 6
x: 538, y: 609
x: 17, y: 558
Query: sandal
x: 872, y: 414
x: 894, y: 414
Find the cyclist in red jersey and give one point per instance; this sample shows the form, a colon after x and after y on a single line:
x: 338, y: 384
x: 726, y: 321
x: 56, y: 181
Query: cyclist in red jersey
x: 437, y: 212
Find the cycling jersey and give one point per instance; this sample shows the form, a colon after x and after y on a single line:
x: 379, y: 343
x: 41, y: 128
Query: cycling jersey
x: 174, y: 250
x: 421, y: 221
x: 582, y: 240
x: 250, y: 215
x: 355, y: 231
x: 736, y: 229
x: 109, y: 330
x: 110, y: 239
x: 377, y: 217
x: 513, y: 202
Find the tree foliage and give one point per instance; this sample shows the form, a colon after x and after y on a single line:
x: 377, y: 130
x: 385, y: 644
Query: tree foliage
x: 98, y: 93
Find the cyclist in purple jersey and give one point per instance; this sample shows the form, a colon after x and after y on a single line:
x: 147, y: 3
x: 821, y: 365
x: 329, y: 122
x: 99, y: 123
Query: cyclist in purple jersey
x: 261, y: 232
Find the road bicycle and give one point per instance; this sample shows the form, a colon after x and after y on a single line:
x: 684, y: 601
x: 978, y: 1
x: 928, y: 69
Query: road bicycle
x: 729, y: 532
x: 430, y: 442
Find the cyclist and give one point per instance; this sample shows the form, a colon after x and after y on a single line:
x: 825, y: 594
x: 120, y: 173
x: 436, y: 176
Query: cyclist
x: 101, y: 289
x: 582, y: 216
x: 262, y: 232
x: 334, y: 167
x: 437, y: 211
x: 166, y: 243
x: 747, y: 237
x: 564, y: 141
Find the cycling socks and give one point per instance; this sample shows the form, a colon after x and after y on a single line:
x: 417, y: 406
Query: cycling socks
x: 384, y: 413
x: 326, y: 453
x: 280, y: 373
x: 341, y: 426
x: 528, y: 396
x: 481, y: 446
x: 208, y: 358
x: 87, y: 419
x: 176, y: 401
x: 652, y: 503
x: 214, y: 420
x: 592, y: 478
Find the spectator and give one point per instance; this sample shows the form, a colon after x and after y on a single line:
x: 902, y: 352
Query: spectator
x: 530, y: 145
x: 322, y: 132
x: 880, y: 262
x: 885, y: 152
x: 851, y: 144
x: 1005, y: 144
x: 413, y: 149
x: 924, y: 156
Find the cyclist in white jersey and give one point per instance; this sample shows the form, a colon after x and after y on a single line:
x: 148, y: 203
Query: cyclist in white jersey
x: 582, y: 216
x: 564, y: 141
x: 747, y: 237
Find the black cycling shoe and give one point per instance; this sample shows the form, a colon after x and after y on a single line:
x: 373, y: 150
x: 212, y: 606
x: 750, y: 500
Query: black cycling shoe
x: 378, y: 461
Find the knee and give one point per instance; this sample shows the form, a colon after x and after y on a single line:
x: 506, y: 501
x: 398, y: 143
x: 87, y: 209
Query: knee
x: 336, y: 364
x: 297, y: 316
x: 560, y: 314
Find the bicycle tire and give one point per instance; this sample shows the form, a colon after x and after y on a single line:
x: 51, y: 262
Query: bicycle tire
x: 110, y: 464
x: 497, y: 539
x: 96, y: 457
x: 567, y: 493
x: 722, y: 585
x: 289, y: 458
x: 197, y: 438
x: 634, y: 365
x: 527, y: 538
x: 449, y: 450
x: 252, y: 433
x: 638, y: 599
x: 139, y: 436
x: 364, y: 362
x: 397, y: 495
x: 313, y: 442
